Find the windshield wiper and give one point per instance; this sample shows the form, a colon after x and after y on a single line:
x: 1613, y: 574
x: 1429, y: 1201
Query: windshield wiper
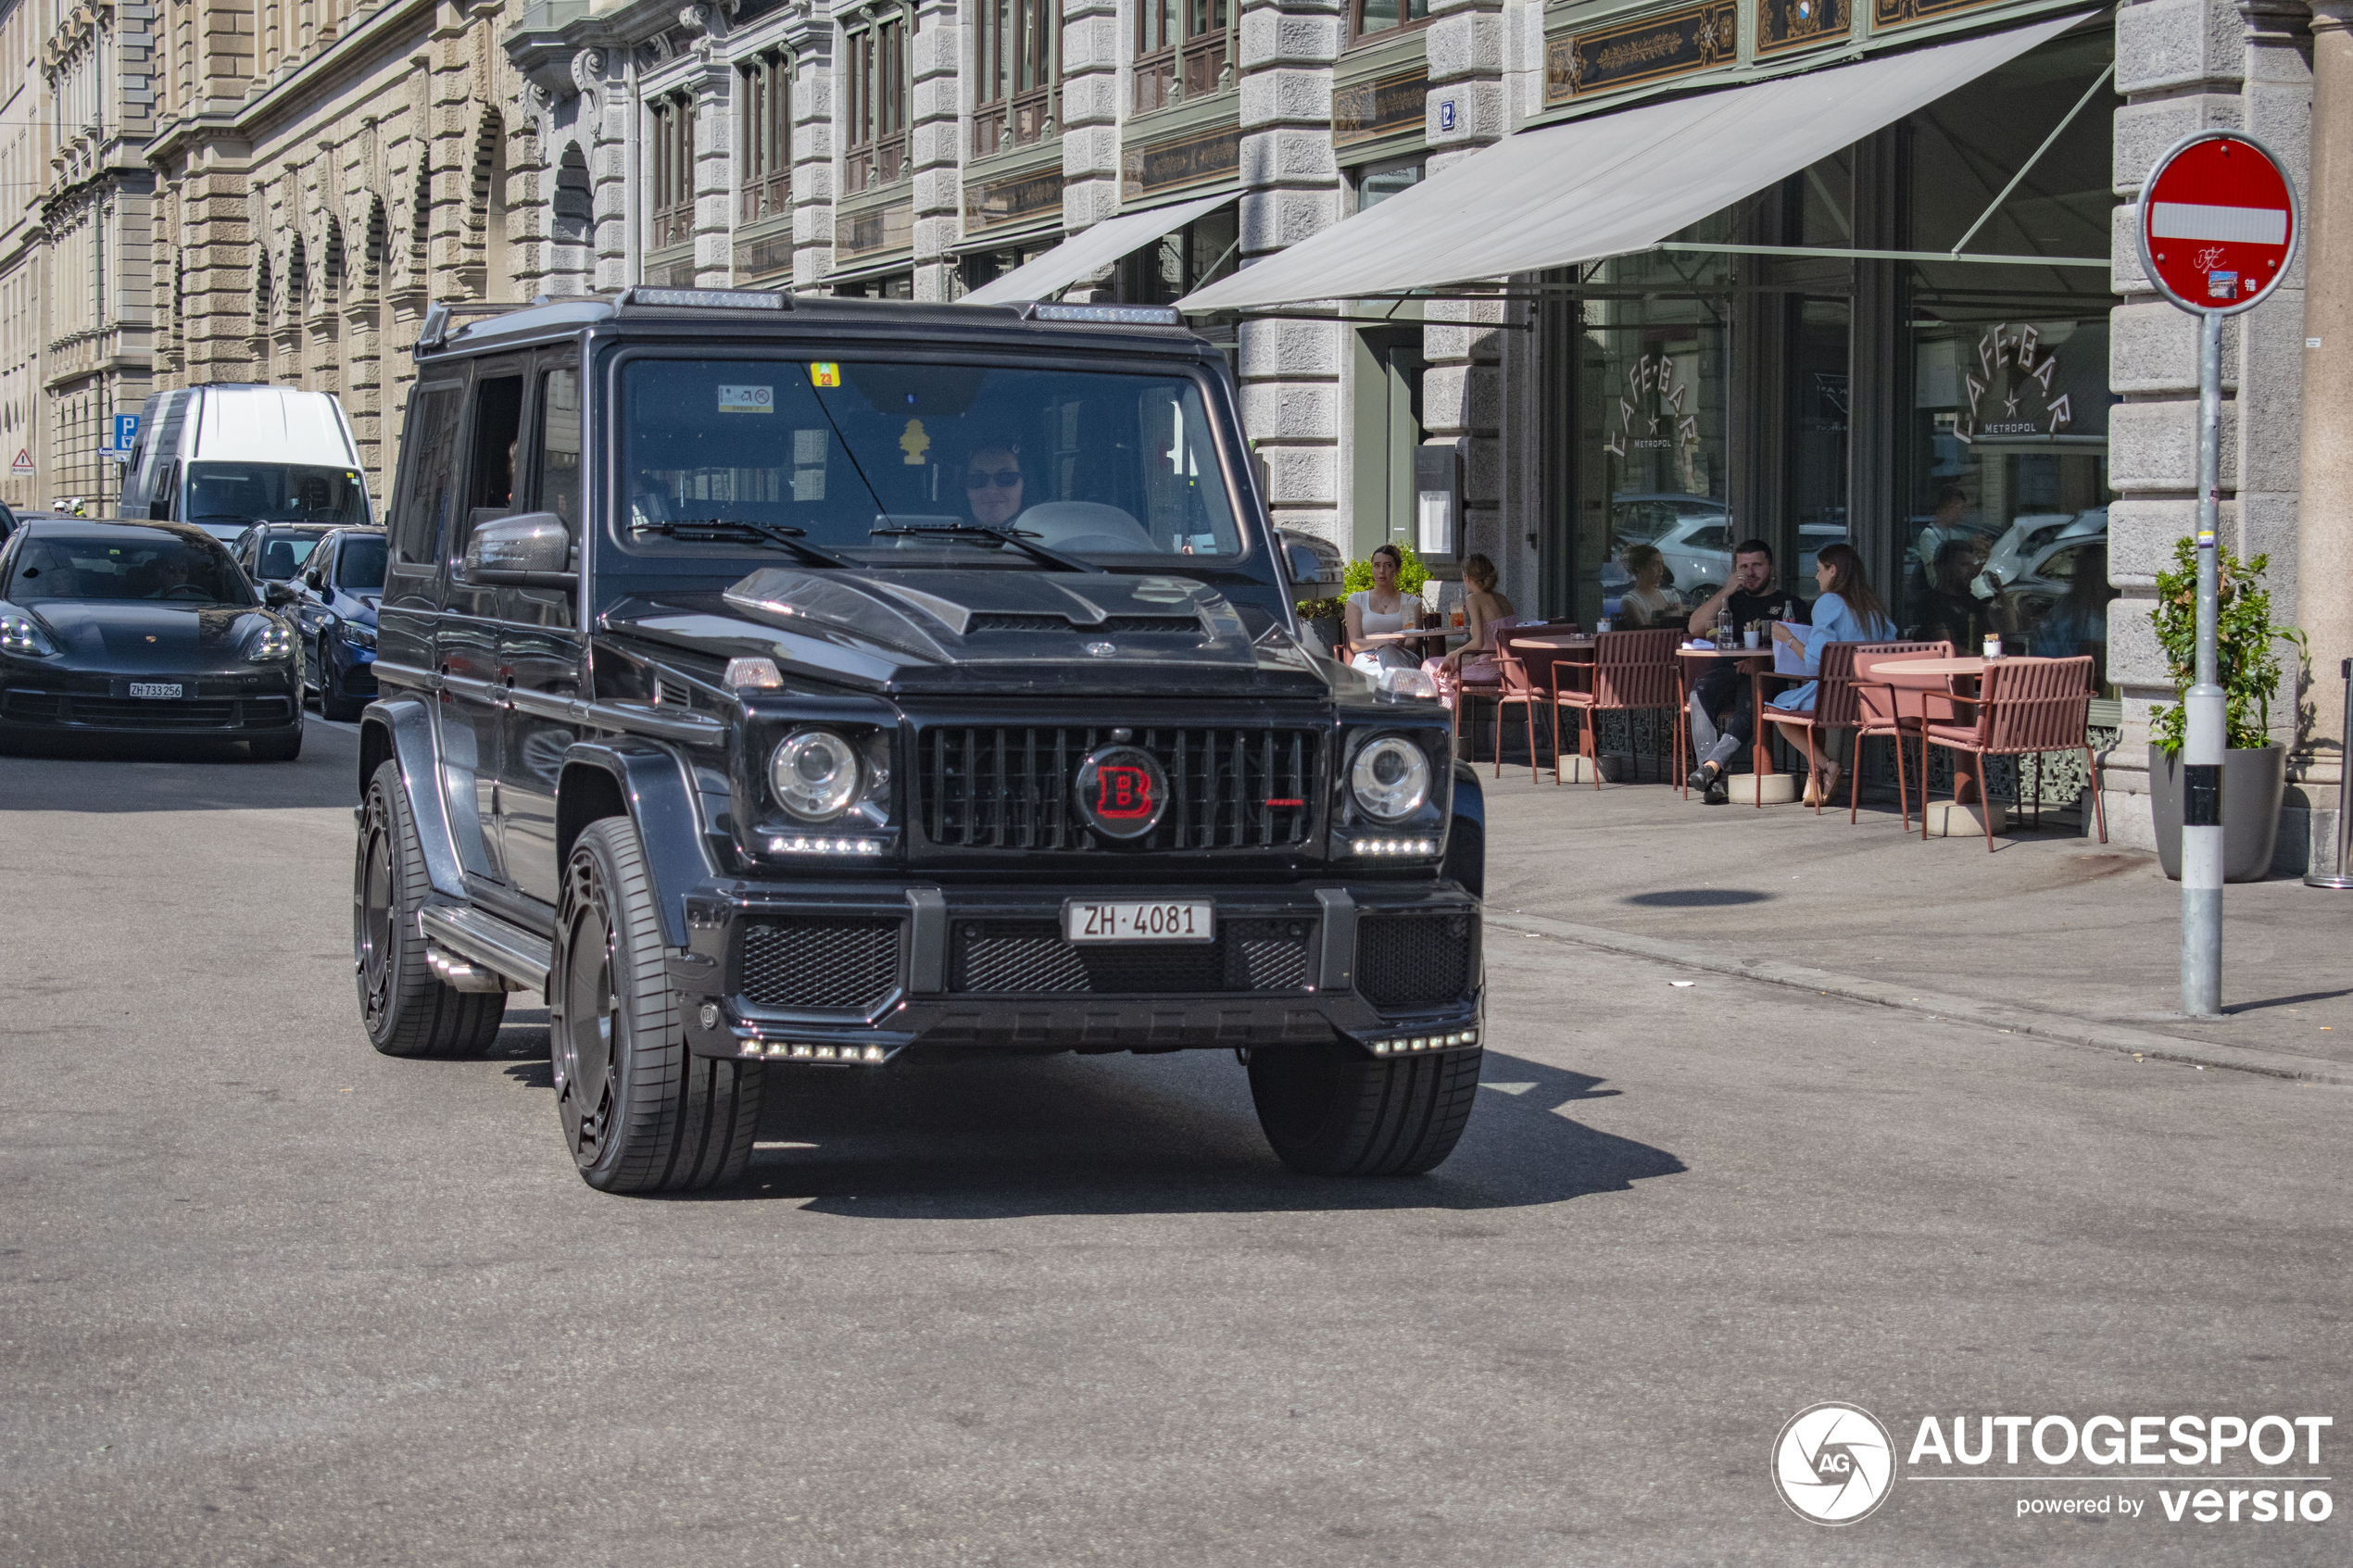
x: 1054, y: 558
x: 736, y: 529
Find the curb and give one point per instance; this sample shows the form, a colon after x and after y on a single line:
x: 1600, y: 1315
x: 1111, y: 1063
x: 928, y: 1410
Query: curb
x: 2117, y: 1038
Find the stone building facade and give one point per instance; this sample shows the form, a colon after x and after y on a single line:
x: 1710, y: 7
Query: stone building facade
x: 319, y: 174
x: 324, y: 171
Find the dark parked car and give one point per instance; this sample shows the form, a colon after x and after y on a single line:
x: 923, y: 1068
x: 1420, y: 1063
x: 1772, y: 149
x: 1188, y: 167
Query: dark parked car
x: 780, y: 685
x: 275, y: 552
x: 338, y: 587
x: 142, y: 627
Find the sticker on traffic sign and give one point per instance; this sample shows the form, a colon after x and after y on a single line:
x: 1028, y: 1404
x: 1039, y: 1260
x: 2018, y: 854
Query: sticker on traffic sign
x: 2218, y: 222
x: 23, y: 463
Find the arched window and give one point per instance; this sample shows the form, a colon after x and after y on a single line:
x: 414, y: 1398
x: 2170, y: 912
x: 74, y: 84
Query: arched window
x: 373, y: 277
x: 330, y: 268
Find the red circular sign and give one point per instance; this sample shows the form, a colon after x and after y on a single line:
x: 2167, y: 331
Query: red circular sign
x: 2218, y: 222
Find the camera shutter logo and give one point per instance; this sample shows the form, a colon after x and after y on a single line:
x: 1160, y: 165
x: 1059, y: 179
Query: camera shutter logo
x: 1121, y: 792
x: 1834, y: 1463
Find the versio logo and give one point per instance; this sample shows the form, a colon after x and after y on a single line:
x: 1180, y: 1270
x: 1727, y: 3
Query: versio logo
x: 1834, y: 1463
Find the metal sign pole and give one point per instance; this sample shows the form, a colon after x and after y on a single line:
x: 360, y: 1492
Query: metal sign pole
x: 2217, y: 227
x: 2203, y: 714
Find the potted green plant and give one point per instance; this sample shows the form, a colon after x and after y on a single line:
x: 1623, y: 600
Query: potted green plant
x: 1327, y: 620
x: 2247, y: 652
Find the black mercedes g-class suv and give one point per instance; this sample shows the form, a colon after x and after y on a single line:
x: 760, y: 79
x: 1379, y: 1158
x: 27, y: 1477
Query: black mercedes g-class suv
x: 782, y: 683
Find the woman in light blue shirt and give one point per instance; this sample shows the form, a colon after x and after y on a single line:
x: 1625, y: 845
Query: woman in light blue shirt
x: 1849, y: 610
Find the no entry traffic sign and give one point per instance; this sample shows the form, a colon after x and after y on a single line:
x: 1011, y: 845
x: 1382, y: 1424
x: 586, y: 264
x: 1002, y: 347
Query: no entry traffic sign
x: 2218, y: 222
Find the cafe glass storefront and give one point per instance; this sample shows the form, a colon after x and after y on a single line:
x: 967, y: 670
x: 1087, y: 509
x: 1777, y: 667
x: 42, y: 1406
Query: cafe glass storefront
x: 1756, y: 377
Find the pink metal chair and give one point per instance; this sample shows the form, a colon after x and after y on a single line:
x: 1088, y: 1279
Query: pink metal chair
x: 2022, y: 704
x: 1516, y: 687
x: 1834, y: 703
x: 1495, y: 691
x: 1885, y: 710
x: 1632, y: 670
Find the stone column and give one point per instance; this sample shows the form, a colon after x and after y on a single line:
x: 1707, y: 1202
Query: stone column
x: 1462, y: 388
x: 934, y: 126
x: 2324, y: 522
x: 2180, y: 65
x: 1090, y: 111
x: 1290, y: 369
x: 813, y: 169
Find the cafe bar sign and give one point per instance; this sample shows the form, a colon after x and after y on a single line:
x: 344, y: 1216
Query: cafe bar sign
x: 1651, y: 49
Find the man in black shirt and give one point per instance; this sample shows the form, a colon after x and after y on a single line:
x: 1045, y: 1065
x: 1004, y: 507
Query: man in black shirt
x: 1721, y: 720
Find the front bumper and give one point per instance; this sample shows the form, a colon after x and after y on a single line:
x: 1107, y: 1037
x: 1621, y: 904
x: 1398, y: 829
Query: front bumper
x: 877, y: 968
x: 50, y: 701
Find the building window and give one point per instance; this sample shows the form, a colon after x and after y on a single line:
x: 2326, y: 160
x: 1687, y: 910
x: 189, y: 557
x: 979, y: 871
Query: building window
x: 1017, y: 64
x: 876, y: 151
x: 767, y: 139
x: 1376, y: 183
x: 1369, y: 18
x: 1182, y: 50
x: 673, y: 171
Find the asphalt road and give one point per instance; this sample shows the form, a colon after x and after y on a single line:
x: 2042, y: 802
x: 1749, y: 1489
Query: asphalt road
x: 272, y: 1299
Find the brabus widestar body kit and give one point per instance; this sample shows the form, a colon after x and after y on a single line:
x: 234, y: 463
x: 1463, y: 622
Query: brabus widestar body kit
x: 780, y: 685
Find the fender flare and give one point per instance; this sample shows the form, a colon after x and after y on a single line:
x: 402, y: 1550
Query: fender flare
x: 1466, y: 832
x: 650, y: 785
x: 400, y: 730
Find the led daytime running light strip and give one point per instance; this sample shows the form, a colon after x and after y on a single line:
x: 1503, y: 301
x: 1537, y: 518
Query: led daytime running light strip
x: 1407, y: 1044
x: 804, y: 1051
x: 1393, y: 847
x: 824, y: 846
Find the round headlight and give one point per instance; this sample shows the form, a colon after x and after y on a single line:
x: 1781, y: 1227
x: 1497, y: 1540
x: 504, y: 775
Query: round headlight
x: 1390, y: 778
x: 815, y: 773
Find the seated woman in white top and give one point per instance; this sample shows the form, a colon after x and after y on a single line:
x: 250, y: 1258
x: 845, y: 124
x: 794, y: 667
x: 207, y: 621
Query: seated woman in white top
x: 1490, y: 615
x: 1384, y: 606
x: 1649, y: 602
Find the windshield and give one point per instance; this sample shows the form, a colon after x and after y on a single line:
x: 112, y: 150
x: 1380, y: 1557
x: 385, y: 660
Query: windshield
x: 1084, y: 463
x: 98, y: 568
x: 359, y: 568
x: 281, y: 554
x: 275, y: 493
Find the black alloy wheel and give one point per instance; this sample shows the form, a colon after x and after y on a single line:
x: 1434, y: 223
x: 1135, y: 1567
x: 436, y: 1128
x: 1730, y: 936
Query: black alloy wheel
x: 1330, y: 1109
x: 640, y: 1111
x: 405, y: 1007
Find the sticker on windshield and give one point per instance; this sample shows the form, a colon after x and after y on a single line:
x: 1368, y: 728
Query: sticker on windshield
x: 824, y: 373
x: 747, y: 399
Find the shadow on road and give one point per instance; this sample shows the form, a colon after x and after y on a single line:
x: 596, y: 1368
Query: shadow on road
x: 1033, y: 1136
x: 111, y: 773
x: 1695, y: 898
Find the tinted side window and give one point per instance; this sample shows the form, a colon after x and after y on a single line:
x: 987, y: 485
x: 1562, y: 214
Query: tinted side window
x: 496, y: 424
x: 559, y: 488
x: 420, y: 509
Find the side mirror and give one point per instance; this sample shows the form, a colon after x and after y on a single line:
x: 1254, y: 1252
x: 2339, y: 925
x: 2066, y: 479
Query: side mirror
x: 277, y: 596
x: 521, y: 550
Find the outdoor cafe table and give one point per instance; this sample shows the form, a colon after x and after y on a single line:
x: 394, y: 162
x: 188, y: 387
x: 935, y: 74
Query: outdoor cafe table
x: 1690, y: 664
x: 1955, y: 677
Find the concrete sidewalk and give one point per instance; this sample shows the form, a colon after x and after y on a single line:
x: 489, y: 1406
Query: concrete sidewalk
x: 2076, y: 939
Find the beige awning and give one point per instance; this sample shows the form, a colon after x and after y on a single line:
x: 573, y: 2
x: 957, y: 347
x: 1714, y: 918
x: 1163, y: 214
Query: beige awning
x: 1611, y: 183
x: 1091, y: 250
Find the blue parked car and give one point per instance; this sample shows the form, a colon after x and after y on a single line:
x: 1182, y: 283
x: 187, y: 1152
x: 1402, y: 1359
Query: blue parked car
x: 341, y: 582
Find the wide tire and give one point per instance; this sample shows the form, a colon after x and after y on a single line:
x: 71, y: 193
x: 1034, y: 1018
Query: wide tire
x: 1331, y: 1111
x: 333, y: 704
x: 641, y: 1113
x: 406, y: 1007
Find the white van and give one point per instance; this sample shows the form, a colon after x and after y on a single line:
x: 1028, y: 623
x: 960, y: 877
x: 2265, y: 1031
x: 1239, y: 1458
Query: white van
x: 227, y: 456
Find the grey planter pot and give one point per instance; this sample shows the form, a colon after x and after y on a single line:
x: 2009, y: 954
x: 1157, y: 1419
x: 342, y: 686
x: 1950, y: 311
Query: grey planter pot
x: 1328, y: 631
x: 2254, y: 781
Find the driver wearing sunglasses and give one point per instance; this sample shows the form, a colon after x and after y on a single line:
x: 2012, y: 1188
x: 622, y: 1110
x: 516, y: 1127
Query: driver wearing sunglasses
x: 993, y: 485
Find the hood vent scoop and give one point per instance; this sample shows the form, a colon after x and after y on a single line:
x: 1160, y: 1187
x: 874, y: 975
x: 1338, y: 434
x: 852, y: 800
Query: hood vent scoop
x: 1120, y: 625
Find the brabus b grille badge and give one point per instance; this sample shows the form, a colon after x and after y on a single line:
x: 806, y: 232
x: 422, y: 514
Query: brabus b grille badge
x: 1121, y: 792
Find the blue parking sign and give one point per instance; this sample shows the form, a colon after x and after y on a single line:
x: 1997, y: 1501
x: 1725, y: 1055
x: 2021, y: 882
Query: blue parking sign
x: 126, y: 431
